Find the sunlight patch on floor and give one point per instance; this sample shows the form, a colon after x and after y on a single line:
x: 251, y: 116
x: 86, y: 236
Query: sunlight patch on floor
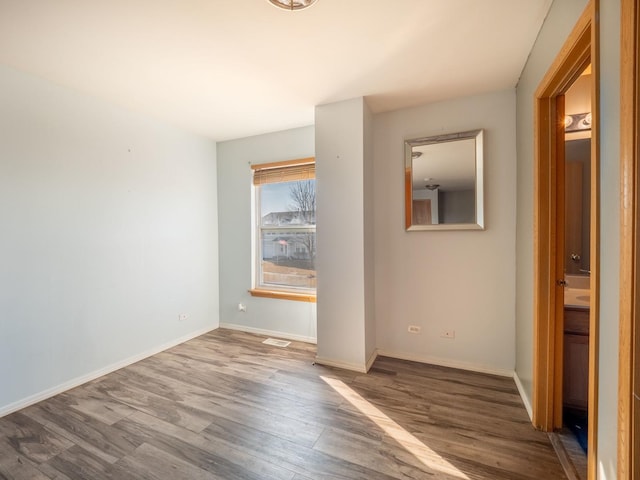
x: 409, y: 442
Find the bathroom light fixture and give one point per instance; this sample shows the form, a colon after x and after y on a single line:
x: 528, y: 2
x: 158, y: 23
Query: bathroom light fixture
x: 415, y: 155
x: 292, y: 4
x: 432, y: 186
x: 577, y: 122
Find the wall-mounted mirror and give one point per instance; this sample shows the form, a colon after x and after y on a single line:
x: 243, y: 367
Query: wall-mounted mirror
x: 443, y: 182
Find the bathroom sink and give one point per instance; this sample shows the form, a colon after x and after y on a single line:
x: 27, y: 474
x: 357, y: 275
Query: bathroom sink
x: 576, y: 297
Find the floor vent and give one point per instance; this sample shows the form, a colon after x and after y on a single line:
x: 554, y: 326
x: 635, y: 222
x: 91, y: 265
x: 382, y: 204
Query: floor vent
x: 276, y: 343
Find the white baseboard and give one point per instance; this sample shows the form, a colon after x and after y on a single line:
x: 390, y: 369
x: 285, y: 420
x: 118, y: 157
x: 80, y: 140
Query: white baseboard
x: 355, y: 367
x: 472, y: 367
x: 269, y: 333
x: 523, y: 395
x: 372, y: 359
x: 75, y: 382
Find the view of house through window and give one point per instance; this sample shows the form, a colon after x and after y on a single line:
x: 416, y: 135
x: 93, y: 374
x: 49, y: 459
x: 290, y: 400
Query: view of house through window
x: 286, y: 227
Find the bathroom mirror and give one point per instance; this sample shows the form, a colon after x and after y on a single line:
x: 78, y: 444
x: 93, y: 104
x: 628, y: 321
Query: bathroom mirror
x: 443, y: 182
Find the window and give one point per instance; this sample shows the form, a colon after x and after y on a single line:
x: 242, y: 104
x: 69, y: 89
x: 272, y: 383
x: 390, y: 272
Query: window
x: 285, y: 227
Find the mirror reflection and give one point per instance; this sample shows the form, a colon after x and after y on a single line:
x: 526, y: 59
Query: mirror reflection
x: 443, y: 182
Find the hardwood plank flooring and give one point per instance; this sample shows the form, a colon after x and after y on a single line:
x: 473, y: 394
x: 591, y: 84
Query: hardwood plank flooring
x: 225, y: 406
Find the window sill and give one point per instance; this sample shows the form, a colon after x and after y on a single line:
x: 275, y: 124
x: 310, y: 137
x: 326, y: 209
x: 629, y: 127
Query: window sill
x: 282, y: 295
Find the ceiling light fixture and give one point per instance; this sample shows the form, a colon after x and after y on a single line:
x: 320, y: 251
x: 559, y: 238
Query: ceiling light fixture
x: 292, y: 4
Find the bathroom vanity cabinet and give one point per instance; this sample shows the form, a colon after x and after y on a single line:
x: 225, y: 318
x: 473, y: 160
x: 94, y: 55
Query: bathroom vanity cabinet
x: 576, y: 358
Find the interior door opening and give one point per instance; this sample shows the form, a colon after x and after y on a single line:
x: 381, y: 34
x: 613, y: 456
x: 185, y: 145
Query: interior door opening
x: 576, y: 263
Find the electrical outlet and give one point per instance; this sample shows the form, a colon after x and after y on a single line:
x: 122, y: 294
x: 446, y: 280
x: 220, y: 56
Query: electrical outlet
x: 182, y: 317
x: 451, y: 334
x: 414, y: 329
x: 242, y: 307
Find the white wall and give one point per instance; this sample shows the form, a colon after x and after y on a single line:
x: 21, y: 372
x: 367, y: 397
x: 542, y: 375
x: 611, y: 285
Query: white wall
x: 285, y: 318
x: 448, y: 280
x: 340, y: 164
x: 109, y: 232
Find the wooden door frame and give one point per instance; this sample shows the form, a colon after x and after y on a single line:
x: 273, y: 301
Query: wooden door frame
x: 629, y: 342
x: 580, y: 48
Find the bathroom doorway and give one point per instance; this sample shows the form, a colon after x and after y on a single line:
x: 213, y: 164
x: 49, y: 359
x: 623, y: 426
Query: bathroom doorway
x: 577, y: 270
x: 559, y: 242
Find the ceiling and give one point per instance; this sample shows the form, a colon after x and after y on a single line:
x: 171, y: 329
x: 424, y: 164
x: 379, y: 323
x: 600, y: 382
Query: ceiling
x: 235, y: 68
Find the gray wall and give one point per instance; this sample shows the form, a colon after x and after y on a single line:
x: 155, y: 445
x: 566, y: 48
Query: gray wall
x: 555, y: 30
x: 609, y: 236
x: 457, y: 206
x: 369, y: 235
x: 109, y: 233
x: 558, y: 25
x: 284, y: 318
x: 340, y: 140
x: 448, y: 280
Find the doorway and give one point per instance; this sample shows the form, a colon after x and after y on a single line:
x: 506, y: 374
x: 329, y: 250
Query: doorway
x: 576, y: 280
x: 555, y: 252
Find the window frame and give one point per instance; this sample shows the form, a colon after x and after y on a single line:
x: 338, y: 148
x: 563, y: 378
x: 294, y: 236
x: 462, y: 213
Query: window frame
x: 264, y: 173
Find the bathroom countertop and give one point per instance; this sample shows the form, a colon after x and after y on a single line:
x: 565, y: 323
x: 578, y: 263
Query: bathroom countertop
x: 576, y: 297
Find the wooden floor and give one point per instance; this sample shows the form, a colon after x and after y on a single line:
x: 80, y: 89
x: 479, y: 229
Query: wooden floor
x: 570, y: 453
x: 225, y: 406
